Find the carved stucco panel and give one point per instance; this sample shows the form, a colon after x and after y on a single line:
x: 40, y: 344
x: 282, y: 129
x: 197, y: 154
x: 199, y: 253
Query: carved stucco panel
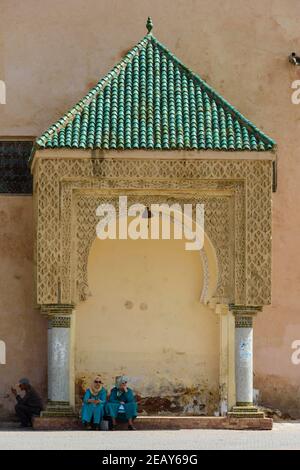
x: 249, y: 214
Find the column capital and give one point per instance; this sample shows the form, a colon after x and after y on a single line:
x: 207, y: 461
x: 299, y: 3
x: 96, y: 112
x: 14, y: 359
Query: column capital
x: 245, y: 310
x: 54, y: 310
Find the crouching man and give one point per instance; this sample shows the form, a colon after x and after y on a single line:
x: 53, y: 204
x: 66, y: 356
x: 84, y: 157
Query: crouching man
x: 29, y: 405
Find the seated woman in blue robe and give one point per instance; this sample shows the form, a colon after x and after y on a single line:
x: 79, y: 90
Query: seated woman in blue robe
x: 94, y: 404
x: 121, y: 404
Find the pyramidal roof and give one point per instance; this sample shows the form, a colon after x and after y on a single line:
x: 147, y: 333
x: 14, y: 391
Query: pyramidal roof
x: 150, y: 100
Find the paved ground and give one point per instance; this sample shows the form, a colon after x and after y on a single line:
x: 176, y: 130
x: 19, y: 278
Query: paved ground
x: 283, y: 436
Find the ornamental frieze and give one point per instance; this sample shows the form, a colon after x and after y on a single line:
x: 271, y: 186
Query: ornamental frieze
x: 237, y: 198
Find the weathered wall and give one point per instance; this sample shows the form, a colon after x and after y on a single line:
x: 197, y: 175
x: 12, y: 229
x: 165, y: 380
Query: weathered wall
x: 144, y: 319
x: 276, y: 377
x: 60, y: 49
x: 21, y: 327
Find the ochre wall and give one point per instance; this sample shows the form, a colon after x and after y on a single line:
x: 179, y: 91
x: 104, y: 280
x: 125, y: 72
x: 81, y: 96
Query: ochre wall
x: 60, y: 49
x: 22, y: 328
x: 144, y: 319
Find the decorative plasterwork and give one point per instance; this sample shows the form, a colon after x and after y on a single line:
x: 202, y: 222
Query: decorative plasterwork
x: 59, y: 322
x: 243, y: 322
x: 237, y: 198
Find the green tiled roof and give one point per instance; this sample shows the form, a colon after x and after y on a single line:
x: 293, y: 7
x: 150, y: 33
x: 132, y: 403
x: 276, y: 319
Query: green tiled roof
x: 150, y: 100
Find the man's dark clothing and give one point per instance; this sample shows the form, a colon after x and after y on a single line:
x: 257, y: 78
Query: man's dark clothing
x: 28, y: 406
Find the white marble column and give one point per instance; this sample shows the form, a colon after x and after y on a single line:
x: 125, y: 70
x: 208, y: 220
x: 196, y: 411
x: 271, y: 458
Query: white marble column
x: 244, y: 360
x: 59, y: 358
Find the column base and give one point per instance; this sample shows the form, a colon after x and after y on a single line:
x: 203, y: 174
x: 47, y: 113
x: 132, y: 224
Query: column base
x: 58, y: 408
x: 245, y: 411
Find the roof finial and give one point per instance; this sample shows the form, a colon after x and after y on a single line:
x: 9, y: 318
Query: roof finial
x: 149, y: 24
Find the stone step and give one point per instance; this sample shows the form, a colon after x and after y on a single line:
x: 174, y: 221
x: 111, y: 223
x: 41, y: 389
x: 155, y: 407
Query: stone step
x: 57, y: 403
x: 58, y: 406
x: 55, y: 413
x: 243, y: 414
x: 56, y: 409
x: 163, y: 423
x: 59, y: 410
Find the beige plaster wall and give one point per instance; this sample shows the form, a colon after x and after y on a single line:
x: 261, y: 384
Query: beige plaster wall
x: 144, y: 319
x: 22, y: 328
x: 58, y: 50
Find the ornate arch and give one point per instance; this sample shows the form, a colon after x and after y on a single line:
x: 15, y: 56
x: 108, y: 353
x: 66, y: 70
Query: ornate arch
x: 236, y: 194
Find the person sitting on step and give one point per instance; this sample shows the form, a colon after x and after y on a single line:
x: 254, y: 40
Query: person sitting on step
x: 94, y: 404
x: 121, y: 404
x: 29, y: 405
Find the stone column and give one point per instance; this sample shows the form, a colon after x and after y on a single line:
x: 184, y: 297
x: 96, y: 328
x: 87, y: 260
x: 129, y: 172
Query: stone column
x: 59, y: 354
x: 244, y: 362
x: 58, y: 358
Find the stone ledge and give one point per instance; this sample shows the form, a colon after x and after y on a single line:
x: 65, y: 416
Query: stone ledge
x: 243, y: 414
x: 56, y: 423
x: 163, y: 423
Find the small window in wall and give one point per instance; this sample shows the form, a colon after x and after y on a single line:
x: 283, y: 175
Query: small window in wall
x: 15, y: 177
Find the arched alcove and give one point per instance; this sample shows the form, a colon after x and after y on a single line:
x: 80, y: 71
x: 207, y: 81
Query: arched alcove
x: 145, y: 318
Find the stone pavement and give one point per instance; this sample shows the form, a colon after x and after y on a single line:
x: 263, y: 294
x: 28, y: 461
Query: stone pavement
x: 283, y: 436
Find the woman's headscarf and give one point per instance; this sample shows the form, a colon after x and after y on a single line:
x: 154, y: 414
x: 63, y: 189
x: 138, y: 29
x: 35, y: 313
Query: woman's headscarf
x: 121, y: 379
x: 95, y: 388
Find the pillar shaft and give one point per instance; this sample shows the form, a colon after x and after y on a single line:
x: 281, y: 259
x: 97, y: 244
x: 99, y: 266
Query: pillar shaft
x: 244, y: 360
x: 58, y: 358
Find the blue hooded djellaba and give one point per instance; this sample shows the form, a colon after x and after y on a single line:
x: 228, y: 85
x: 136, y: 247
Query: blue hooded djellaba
x: 94, y: 412
x: 121, y: 404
